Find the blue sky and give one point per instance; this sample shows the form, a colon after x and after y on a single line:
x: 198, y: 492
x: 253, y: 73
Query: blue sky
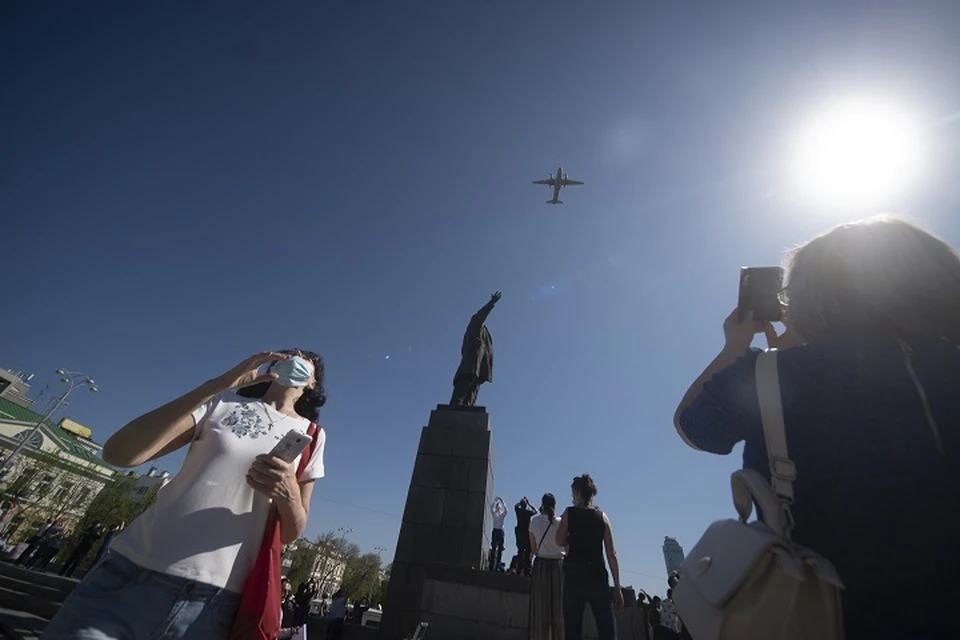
x: 184, y: 184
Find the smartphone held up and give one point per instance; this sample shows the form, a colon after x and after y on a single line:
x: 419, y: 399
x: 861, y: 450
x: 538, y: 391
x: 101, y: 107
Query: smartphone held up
x: 290, y: 446
x: 760, y: 289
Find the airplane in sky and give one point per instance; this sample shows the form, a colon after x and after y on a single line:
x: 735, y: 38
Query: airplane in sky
x: 557, y: 183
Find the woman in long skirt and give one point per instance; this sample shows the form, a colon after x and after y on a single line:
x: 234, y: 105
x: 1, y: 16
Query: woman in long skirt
x: 546, y: 587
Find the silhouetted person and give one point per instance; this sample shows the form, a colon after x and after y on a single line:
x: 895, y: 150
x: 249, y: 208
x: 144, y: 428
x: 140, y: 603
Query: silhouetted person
x: 586, y: 532
x: 524, y: 511
x: 90, y: 535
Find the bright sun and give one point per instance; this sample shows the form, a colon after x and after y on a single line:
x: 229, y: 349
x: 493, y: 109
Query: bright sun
x: 857, y: 154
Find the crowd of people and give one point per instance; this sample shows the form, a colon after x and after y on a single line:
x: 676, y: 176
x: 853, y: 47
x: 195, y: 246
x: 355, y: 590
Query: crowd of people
x: 867, y: 369
x: 868, y: 365
x: 564, y: 556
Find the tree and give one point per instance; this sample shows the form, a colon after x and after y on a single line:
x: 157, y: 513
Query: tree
x: 115, y: 504
x: 334, y: 551
x: 384, y: 585
x: 301, y: 556
x: 361, y: 578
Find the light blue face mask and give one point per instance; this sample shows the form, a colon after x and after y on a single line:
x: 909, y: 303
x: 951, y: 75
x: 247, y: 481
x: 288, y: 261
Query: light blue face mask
x: 295, y: 372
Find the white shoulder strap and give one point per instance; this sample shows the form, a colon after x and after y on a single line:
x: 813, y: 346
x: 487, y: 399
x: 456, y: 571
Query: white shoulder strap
x: 782, y: 470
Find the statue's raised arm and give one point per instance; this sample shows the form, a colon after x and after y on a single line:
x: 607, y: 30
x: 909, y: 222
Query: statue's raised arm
x: 476, y: 357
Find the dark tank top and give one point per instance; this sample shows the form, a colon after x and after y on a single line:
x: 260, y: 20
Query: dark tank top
x: 585, y: 531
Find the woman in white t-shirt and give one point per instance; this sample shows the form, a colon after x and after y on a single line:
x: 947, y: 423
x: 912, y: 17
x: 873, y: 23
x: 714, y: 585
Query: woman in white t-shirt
x: 178, y: 570
x: 546, y: 585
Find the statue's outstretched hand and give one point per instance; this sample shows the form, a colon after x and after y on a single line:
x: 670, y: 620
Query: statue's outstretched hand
x: 495, y: 297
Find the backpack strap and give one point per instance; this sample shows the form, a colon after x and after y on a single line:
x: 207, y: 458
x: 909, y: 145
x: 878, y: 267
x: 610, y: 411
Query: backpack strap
x: 783, y: 472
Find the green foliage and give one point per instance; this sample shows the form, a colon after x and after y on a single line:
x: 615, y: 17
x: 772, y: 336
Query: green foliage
x: 301, y: 556
x: 361, y: 578
x: 115, y: 504
x: 381, y: 596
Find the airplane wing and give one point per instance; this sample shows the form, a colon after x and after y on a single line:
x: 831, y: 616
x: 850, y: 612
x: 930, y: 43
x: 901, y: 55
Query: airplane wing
x: 570, y: 183
x: 550, y: 182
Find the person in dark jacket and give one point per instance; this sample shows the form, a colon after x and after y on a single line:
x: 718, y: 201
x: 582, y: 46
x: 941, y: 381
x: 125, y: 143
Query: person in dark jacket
x: 868, y: 370
x: 90, y: 535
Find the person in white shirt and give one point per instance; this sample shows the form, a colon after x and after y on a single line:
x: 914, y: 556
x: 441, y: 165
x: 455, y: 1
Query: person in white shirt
x: 546, y: 583
x: 179, y: 569
x: 499, y: 511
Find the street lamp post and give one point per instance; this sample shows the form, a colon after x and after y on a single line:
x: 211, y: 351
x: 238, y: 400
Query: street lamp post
x: 73, y: 380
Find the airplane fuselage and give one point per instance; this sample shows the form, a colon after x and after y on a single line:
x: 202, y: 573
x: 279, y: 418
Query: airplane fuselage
x: 557, y: 182
x: 557, y: 185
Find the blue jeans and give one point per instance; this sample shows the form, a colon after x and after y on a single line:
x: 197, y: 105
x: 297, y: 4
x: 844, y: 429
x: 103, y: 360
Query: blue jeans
x: 119, y: 600
x: 577, y: 593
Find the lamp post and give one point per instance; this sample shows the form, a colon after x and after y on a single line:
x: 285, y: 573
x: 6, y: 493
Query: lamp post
x: 73, y: 380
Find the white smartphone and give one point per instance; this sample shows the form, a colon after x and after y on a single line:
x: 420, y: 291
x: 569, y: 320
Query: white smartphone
x: 290, y: 446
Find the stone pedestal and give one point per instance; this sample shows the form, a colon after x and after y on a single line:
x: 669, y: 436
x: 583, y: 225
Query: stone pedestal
x: 446, y: 520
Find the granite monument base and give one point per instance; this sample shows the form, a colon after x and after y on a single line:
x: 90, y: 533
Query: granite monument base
x: 446, y: 520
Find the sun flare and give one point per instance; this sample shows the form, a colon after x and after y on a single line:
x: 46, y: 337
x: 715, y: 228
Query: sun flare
x: 858, y: 154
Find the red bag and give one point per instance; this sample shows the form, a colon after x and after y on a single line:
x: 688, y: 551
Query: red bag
x: 258, y: 617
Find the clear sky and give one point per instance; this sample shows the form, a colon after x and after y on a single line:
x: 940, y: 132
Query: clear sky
x: 183, y: 184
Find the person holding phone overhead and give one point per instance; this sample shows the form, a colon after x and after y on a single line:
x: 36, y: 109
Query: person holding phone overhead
x: 868, y: 369
x: 178, y: 571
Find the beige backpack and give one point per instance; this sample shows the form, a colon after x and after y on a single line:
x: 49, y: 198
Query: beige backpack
x: 750, y: 581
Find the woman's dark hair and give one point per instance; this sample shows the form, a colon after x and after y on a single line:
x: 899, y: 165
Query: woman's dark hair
x: 548, y: 506
x: 308, y: 405
x: 585, y: 487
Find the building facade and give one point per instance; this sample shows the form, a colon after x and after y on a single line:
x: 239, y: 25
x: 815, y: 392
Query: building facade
x: 672, y: 554
x: 56, y: 475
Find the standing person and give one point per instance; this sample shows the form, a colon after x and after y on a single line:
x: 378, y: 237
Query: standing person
x: 107, y: 540
x: 653, y: 618
x: 524, y: 511
x: 868, y: 369
x: 586, y: 532
x: 180, y: 568
x: 338, y: 611
x: 305, y: 595
x: 53, y: 541
x: 669, y: 621
x: 90, y: 535
x: 499, y: 511
x: 288, y: 606
x: 9, y: 511
x: 34, y: 542
x: 546, y: 583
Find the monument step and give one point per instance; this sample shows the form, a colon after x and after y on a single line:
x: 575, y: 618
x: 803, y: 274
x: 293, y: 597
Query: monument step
x: 18, y: 625
x: 15, y: 600
x: 42, y: 578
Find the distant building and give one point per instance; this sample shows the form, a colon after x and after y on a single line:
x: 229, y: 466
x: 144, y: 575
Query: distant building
x: 14, y: 387
x: 60, y: 471
x: 153, y: 480
x: 672, y: 554
x: 56, y: 475
x: 328, y: 564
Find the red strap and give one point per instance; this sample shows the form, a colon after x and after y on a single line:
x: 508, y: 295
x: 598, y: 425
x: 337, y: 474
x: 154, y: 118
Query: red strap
x: 314, y: 432
x: 258, y: 616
